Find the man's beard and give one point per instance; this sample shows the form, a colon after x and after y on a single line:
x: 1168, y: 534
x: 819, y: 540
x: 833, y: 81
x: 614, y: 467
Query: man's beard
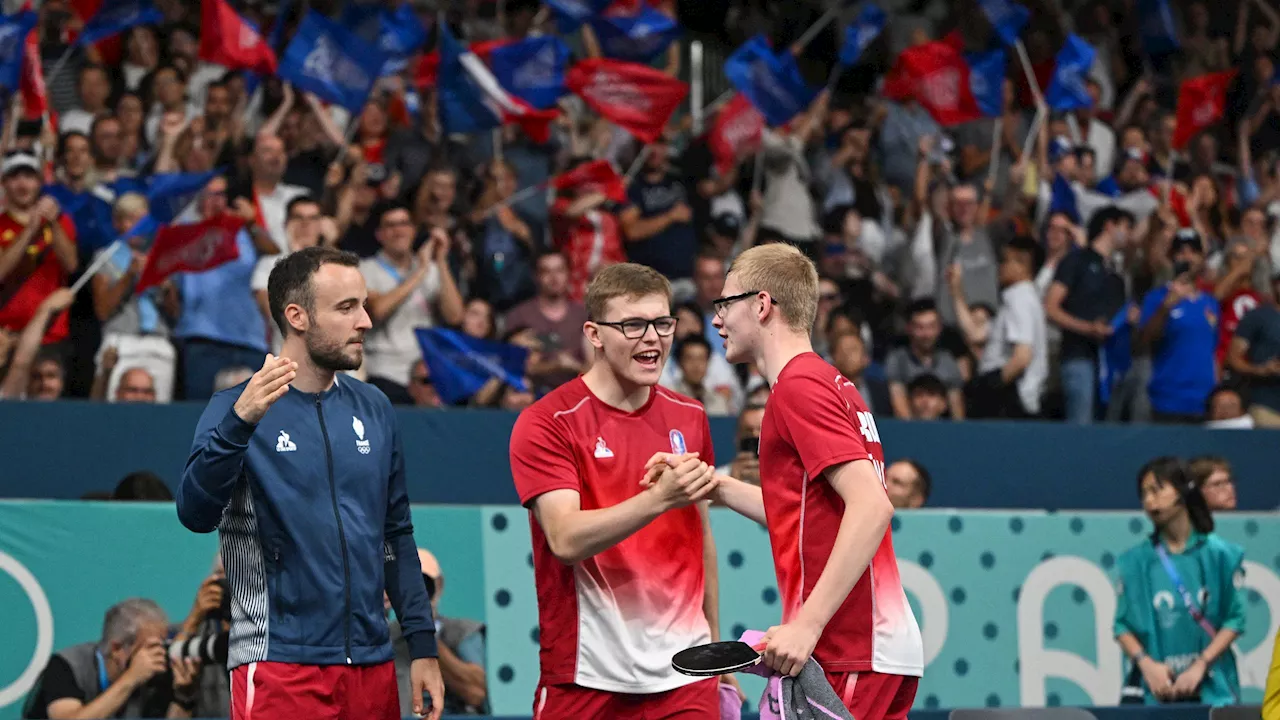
x: 333, y: 356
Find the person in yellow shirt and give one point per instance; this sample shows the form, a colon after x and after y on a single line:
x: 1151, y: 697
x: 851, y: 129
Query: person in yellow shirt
x: 1271, y: 697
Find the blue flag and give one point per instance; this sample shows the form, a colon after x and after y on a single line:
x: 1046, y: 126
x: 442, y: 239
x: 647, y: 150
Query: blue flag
x: 1156, y: 30
x: 334, y: 63
x: 1007, y: 17
x: 570, y: 14
x: 864, y: 29
x: 532, y: 70
x: 460, y: 364
x: 1115, y: 357
x: 772, y: 83
x: 169, y: 194
x: 13, y: 36
x: 1063, y: 199
x: 116, y: 16
x: 986, y: 80
x: 639, y: 38
x: 1067, y: 89
x: 402, y: 34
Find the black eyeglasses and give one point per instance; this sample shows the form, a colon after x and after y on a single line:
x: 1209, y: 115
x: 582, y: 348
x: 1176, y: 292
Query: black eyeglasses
x: 635, y: 328
x: 722, y: 304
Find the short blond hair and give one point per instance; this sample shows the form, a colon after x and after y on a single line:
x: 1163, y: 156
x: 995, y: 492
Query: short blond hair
x: 128, y: 205
x: 629, y: 280
x: 789, y: 277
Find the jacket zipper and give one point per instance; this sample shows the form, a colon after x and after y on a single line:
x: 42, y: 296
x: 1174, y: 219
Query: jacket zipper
x: 342, y: 536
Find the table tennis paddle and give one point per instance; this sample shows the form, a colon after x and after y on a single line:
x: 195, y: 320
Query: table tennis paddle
x: 717, y: 658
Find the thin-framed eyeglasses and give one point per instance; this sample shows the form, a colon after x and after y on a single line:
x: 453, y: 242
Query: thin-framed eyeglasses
x: 635, y: 328
x: 721, y: 305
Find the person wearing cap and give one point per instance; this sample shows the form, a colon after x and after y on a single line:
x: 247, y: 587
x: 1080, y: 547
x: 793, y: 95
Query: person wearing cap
x: 37, y: 247
x: 1179, y: 326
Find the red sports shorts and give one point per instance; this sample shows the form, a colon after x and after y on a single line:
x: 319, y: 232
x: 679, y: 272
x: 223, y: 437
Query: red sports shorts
x: 285, y: 691
x: 873, y: 695
x: 699, y: 701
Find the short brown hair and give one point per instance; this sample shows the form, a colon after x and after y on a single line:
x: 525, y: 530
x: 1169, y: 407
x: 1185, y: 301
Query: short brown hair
x: 629, y: 280
x: 787, y: 275
x: 1202, y: 467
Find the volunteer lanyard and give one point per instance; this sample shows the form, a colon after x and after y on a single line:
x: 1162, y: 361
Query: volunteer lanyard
x: 103, y: 682
x: 1190, y: 602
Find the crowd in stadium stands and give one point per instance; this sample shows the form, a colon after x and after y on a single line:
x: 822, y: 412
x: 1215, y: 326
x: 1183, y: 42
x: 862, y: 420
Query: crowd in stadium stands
x: 1097, y: 270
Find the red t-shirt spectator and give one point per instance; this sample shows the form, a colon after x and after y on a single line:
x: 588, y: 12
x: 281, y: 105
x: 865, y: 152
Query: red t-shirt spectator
x: 1234, y: 307
x: 35, y: 277
x: 590, y: 241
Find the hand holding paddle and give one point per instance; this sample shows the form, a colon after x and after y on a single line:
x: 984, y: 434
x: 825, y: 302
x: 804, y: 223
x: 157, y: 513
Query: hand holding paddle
x: 717, y: 658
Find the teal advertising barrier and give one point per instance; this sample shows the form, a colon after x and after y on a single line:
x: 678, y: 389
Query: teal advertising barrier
x: 1015, y: 608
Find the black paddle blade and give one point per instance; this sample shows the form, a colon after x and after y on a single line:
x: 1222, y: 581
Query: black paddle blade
x: 719, y: 658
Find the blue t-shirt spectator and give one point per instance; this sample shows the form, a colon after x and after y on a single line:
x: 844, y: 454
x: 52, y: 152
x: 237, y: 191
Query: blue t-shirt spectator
x: 1182, y: 358
x: 671, y: 250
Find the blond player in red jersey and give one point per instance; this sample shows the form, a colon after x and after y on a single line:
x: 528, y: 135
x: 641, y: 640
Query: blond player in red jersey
x: 821, y: 496
x: 625, y: 574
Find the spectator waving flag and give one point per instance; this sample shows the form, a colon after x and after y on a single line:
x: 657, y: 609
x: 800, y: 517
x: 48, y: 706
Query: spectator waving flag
x: 635, y: 97
x: 191, y: 248
x: 571, y: 14
x: 114, y: 17
x: 231, y: 41
x: 428, y: 70
x: 986, y: 80
x: 595, y: 176
x: 1156, y: 31
x: 860, y: 33
x: 532, y: 70
x: 772, y: 83
x: 1067, y: 89
x: 168, y: 194
x: 636, y: 38
x: 1007, y: 17
x: 334, y: 63
x: 735, y: 132
x: 402, y: 35
x: 13, y: 34
x: 472, y: 99
x: 937, y: 76
x: 1201, y: 103
x: 460, y: 365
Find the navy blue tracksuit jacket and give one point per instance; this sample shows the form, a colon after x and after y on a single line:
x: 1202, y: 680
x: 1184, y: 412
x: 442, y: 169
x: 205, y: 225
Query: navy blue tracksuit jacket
x: 313, y: 520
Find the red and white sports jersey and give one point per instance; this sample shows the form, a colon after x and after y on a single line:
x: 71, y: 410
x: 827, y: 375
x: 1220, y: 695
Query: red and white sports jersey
x: 1234, y: 307
x: 814, y: 419
x: 613, y: 621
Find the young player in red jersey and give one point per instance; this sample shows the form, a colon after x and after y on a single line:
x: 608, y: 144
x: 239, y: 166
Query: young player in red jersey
x: 625, y: 574
x: 821, y: 496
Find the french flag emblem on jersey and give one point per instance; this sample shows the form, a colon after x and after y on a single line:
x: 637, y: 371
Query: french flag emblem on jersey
x: 677, y: 442
x: 472, y: 99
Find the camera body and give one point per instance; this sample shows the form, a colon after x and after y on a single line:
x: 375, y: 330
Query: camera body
x: 207, y: 648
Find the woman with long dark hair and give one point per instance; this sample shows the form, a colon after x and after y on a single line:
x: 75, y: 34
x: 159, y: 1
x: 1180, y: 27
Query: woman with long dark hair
x: 1178, y: 609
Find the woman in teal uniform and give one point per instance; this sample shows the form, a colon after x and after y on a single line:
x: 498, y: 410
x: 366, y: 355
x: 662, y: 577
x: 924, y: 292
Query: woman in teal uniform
x: 1178, y: 608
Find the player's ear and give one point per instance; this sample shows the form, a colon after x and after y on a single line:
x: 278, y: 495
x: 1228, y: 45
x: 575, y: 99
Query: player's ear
x: 592, y: 332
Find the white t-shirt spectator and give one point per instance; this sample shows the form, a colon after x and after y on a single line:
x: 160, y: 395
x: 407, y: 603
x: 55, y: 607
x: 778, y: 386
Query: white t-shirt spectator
x: 1020, y: 321
x: 391, y: 348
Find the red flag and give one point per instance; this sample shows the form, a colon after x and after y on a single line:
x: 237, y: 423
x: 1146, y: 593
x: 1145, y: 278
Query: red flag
x: 735, y: 132
x: 935, y: 75
x: 596, y: 176
x: 35, y: 101
x: 429, y: 63
x: 227, y: 40
x: 191, y: 248
x: 1202, y: 101
x: 635, y: 97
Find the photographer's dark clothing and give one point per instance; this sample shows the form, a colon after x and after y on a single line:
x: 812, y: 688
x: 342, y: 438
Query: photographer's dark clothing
x: 466, y: 639
x: 76, y: 673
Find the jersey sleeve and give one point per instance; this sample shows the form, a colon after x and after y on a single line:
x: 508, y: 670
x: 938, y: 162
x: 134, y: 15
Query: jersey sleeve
x: 541, y: 458
x: 817, y: 418
x: 1068, y: 270
x: 1151, y: 303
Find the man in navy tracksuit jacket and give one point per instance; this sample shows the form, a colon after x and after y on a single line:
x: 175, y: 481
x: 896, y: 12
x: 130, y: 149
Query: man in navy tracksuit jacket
x: 302, y: 473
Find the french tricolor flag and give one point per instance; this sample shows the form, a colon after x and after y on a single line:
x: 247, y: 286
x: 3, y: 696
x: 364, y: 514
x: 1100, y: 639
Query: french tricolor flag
x: 472, y: 99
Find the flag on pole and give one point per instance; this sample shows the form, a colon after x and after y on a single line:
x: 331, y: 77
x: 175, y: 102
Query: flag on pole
x: 116, y: 16
x: 471, y: 99
x: 231, y: 41
x: 735, y: 132
x: 636, y: 38
x: 937, y: 76
x: 460, y: 365
x: 337, y: 65
x: 532, y: 70
x: 772, y: 82
x: 1068, y: 90
x: 1202, y: 101
x: 1006, y: 17
x: 860, y: 33
x: 635, y: 97
x: 595, y: 176
x: 191, y: 248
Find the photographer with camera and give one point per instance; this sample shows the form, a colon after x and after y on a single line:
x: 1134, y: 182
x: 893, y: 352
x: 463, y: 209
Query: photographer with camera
x: 203, y: 636
x: 746, y: 464
x: 127, y: 673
